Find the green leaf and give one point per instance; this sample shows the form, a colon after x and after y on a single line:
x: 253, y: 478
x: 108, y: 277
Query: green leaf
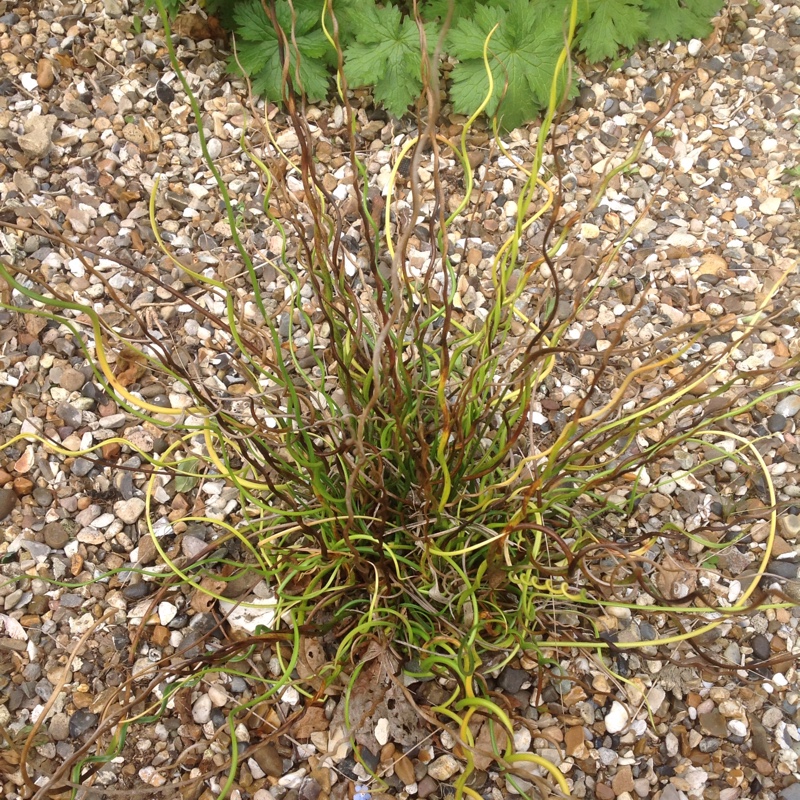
x: 386, y: 55
x: 612, y: 24
x: 258, y: 51
x: 668, y: 20
x: 439, y: 9
x: 524, y: 51
x: 183, y: 483
x: 349, y: 17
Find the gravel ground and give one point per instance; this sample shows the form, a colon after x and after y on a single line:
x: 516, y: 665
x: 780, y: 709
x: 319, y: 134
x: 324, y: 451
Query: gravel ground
x: 89, y: 113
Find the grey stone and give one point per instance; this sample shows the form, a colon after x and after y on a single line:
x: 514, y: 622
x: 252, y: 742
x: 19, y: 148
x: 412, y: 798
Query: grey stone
x: 710, y: 745
x: 59, y: 727
x: 72, y: 416
x: 791, y: 525
x: 81, y: 721
x: 37, y: 550
x: 136, y: 591
x: 11, y: 599
x: 113, y: 8
x: 783, y: 569
x: 512, y: 680
x: 44, y: 689
x: 113, y: 421
x: 82, y: 467
x: 761, y: 648
x: 789, y: 406
x: 760, y: 739
x: 776, y: 423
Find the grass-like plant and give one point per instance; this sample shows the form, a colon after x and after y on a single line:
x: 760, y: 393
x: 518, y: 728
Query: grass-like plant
x: 396, y: 491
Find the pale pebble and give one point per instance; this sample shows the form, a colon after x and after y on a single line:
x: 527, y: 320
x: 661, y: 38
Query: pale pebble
x: 617, y: 718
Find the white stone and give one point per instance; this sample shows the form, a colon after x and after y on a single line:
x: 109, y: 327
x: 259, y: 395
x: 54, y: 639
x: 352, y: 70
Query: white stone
x: 290, y: 695
x: 217, y: 695
x: 249, y: 617
x: 443, y: 768
x: 214, y: 147
x: 589, y: 231
x: 522, y: 740
x: 694, y: 47
x: 201, y: 710
x: 129, y: 510
x: 167, y: 612
x: 770, y: 205
x: 681, y: 239
x: 287, y: 140
x: 617, y: 719
x: 382, y: 731
x: 293, y: 780
x: 149, y: 775
x: 737, y: 727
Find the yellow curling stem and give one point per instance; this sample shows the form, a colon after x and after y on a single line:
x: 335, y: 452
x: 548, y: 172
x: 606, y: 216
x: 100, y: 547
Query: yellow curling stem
x: 50, y: 446
x: 742, y: 605
x: 174, y: 568
x: 224, y: 470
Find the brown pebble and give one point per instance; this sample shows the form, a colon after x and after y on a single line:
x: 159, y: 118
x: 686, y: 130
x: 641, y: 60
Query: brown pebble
x: 7, y: 502
x: 622, y: 781
x: 604, y: 792
x: 404, y: 770
x: 427, y: 786
x: 763, y: 766
x: 55, y: 536
x: 474, y: 257
x: 72, y: 380
x: 45, y: 76
x: 387, y: 751
x: 574, y: 741
x: 23, y: 486
x: 82, y: 699
x: 160, y: 636
x: 107, y: 409
x: 5, y: 477
x: 111, y: 451
x: 475, y: 158
x: 268, y: 758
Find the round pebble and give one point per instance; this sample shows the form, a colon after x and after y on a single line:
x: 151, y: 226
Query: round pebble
x: 72, y: 380
x: 443, y: 768
x: 788, y: 406
x: 617, y: 718
x: 201, y: 709
x: 8, y: 499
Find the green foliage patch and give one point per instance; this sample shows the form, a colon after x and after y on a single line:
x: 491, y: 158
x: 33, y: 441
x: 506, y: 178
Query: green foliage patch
x: 381, y: 44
